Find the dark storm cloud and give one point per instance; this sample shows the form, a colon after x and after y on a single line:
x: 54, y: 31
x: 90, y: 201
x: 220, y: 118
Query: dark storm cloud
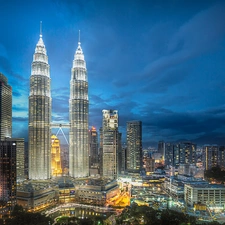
x: 200, y: 34
x: 166, y: 80
x: 172, y: 126
x: 96, y: 99
x: 13, y: 78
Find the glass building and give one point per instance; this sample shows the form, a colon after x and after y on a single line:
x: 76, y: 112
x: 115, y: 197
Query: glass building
x: 40, y: 115
x: 5, y: 108
x: 78, y: 116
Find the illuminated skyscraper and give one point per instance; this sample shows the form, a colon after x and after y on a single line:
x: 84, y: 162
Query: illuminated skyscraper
x: 78, y: 114
x: 40, y: 115
x: 5, y: 108
x: 110, y: 138
x: 55, y: 157
x: 134, y: 146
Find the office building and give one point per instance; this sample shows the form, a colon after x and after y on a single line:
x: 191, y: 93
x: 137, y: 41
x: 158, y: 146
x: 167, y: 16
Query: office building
x: 78, y: 116
x: 134, y: 146
x: 5, y: 108
x: 211, y: 195
x: 40, y: 115
x: 93, y: 147
x: 110, y: 144
x: 20, y: 158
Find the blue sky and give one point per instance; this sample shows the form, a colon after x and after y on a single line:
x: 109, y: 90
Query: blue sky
x: 161, y: 62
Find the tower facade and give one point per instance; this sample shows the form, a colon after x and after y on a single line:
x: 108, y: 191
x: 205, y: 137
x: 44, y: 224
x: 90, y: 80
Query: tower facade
x: 78, y: 115
x: 110, y: 138
x: 134, y: 146
x: 5, y: 108
x: 40, y: 115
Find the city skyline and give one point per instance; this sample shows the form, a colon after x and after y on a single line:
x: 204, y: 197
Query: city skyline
x: 158, y: 62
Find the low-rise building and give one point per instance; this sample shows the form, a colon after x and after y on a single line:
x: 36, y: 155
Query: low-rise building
x: 210, y: 194
x: 97, y: 191
x: 36, y: 196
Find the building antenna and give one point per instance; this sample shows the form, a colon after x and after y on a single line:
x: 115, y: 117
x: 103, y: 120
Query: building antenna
x: 79, y: 37
x: 40, y: 28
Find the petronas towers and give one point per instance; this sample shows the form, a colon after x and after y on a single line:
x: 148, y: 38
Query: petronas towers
x: 40, y: 108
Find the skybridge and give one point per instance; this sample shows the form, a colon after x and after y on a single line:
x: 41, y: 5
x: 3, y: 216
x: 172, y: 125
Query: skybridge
x: 60, y: 127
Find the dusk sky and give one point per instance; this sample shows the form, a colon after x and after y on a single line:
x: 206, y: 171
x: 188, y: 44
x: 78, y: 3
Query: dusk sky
x: 161, y: 62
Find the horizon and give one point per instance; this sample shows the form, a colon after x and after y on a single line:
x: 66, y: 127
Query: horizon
x: 158, y: 62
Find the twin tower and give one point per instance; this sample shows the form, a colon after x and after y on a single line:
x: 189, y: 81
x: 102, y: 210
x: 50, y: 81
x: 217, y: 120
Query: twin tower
x: 40, y: 107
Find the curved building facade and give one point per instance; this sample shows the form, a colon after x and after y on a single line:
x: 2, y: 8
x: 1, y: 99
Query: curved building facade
x: 78, y: 115
x: 5, y: 108
x: 40, y: 115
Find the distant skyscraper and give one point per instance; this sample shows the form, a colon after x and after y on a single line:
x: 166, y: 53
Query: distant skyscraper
x: 5, y: 108
x: 109, y: 141
x: 40, y: 115
x: 93, y: 146
x: 55, y: 157
x: 187, y: 153
x: 161, y: 149
x: 182, y: 153
x: 222, y: 157
x: 8, y: 172
x: 134, y: 146
x: 78, y: 113
x: 20, y: 157
x: 211, y: 153
x: 169, y: 160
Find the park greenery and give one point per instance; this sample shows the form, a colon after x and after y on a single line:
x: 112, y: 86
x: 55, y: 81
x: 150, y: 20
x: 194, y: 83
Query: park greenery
x: 215, y: 174
x: 133, y: 214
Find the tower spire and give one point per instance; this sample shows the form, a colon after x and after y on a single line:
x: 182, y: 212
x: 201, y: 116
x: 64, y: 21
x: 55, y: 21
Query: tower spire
x: 79, y: 38
x: 40, y: 28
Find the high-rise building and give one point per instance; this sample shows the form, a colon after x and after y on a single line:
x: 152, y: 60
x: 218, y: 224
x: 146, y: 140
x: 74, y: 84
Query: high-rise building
x: 161, y: 149
x: 78, y: 114
x: 20, y: 158
x: 180, y: 153
x: 134, y: 146
x: 40, y: 115
x: 55, y: 157
x: 8, y: 173
x: 5, y: 108
x: 93, y: 147
x: 210, y: 155
x: 109, y: 141
x: 222, y: 157
x: 169, y: 154
x: 187, y: 153
x: 120, y: 154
